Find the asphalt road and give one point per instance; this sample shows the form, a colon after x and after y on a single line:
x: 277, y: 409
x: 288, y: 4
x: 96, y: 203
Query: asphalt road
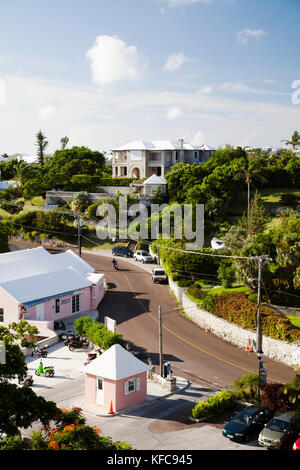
x: 133, y: 301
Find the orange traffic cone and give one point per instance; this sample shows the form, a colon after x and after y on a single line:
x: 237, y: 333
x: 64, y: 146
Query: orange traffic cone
x: 111, y: 411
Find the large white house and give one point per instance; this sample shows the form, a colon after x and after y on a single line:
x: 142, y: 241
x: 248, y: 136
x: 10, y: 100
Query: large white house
x: 142, y: 159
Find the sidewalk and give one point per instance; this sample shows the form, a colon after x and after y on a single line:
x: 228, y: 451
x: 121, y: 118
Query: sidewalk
x: 154, y: 392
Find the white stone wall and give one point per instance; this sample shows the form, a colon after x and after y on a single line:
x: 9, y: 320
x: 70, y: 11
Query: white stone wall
x: 287, y: 353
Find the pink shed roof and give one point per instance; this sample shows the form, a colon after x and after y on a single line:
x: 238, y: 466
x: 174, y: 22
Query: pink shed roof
x: 115, y: 364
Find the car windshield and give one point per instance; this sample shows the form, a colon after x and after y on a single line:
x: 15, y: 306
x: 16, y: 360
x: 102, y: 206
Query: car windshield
x: 160, y: 273
x: 242, y: 418
x: 144, y: 253
x: 277, y: 425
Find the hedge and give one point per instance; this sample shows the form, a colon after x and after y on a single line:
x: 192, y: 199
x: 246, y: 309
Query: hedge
x: 97, y: 333
x: 239, y: 309
x: 215, y: 404
x: 116, y: 181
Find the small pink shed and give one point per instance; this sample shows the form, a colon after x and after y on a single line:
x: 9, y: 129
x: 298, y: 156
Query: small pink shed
x: 118, y: 377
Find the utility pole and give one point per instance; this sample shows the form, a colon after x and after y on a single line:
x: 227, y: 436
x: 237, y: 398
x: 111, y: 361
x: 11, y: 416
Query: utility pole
x: 261, y: 262
x: 160, y: 342
x: 78, y: 234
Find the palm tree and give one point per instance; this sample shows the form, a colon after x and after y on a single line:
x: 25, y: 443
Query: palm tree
x: 294, y: 141
x: 253, y: 165
x: 64, y: 142
x: 22, y: 172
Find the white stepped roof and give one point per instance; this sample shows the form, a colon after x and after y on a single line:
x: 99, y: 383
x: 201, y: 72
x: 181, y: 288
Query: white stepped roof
x: 27, y: 263
x: 156, y: 145
x: 154, y: 179
x: 45, y: 285
x: 115, y: 364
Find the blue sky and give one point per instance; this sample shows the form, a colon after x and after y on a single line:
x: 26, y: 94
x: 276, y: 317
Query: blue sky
x: 105, y: 72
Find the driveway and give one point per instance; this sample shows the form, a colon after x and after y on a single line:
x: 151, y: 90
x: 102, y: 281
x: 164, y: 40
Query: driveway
x: 157, y: 425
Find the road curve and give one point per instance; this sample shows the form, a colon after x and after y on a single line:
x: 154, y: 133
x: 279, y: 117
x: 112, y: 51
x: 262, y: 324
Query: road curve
x: 133, y: 301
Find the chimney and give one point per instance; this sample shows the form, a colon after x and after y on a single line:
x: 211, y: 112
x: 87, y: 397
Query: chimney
x: 181, y: 143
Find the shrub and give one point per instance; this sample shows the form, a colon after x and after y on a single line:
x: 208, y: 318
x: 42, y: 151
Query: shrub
x: 195, y: 292
x: 214, y: 405
x: 184, y: 282
x: 97, y: 333
x: 226, y: 273
x: 116, y: 181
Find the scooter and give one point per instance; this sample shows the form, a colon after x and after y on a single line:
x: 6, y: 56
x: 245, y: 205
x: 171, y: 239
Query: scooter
x: 115, y: 264
x: 77, y: 343
x: 26, y: 381
x: 93, y: 355
x: 46, y: 371
x: 43, y: 351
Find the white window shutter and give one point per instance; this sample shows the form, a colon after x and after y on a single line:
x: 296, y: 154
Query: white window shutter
x: 126, y: 388
x: 138, y: 383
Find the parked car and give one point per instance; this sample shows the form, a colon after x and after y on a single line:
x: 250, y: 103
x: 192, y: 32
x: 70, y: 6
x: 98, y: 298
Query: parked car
x: 247, y: 423
x: 143, y: 256
x: 122, y: 251
x: 281, y: 431
x: 296, y: 445
x: 159, y: 275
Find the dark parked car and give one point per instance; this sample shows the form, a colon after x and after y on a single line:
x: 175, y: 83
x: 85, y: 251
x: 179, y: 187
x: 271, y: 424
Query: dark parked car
x: 122, y: 251
x: 247, y: 423
x: 281, y: 432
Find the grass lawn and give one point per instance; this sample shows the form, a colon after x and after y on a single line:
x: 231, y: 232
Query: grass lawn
x: 270, y: 197
x: 237, y: 289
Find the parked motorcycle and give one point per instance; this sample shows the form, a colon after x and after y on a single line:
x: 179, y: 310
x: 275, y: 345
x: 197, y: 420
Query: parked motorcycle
x: 47, y: 371
x: 26, y: 381
x: 59, y: 325
x: 40, y: 351
x: 93, y: 355
x: 77, y: 343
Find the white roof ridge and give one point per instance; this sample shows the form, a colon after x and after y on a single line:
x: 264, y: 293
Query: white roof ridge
x: 115, y: 364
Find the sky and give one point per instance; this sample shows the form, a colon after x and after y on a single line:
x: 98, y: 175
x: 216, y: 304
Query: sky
x: 105, y: 72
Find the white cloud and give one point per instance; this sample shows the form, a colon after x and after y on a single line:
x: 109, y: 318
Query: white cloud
x: 175, y: 61
x: 206, y: 90
x: 47, y: 112
x: 243, y: 36
x: 137, y: 114
x: 173, y: 113
x: 240, y: 87
x: 199, y: 138
x: 112, y: 60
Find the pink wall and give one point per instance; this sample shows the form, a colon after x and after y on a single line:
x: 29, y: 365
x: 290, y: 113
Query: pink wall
x: 10, y: 307
x: 90, y: 297
x: 114, y: 391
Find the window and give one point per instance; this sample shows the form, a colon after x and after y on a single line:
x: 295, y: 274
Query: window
x: 100, y: 384
x: 132, y: 385
x: 195, y: 155
x: 57, y: 306
x: 75, y: 303
x: 1, y: 315
x: 125, y: 171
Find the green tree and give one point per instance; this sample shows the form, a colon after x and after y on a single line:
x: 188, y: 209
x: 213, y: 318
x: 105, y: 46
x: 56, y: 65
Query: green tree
x: 64, y: 142
x: 294, y: 141
x: 19, y: 406
x: 41, y: 144
x: 23, y: 172
x: 257, y: 217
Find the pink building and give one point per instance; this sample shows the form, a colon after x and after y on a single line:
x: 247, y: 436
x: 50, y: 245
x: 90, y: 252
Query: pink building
x: 118, y: 377
x: 42, y: 288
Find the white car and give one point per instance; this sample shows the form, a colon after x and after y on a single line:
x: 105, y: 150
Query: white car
x: 159, y: 275
x: 142, y: 255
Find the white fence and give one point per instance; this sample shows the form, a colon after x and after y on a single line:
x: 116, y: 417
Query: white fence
x: 287, y: 353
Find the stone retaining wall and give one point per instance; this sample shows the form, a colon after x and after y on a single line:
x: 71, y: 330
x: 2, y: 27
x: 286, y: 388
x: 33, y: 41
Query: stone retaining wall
x: 287, y: 353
